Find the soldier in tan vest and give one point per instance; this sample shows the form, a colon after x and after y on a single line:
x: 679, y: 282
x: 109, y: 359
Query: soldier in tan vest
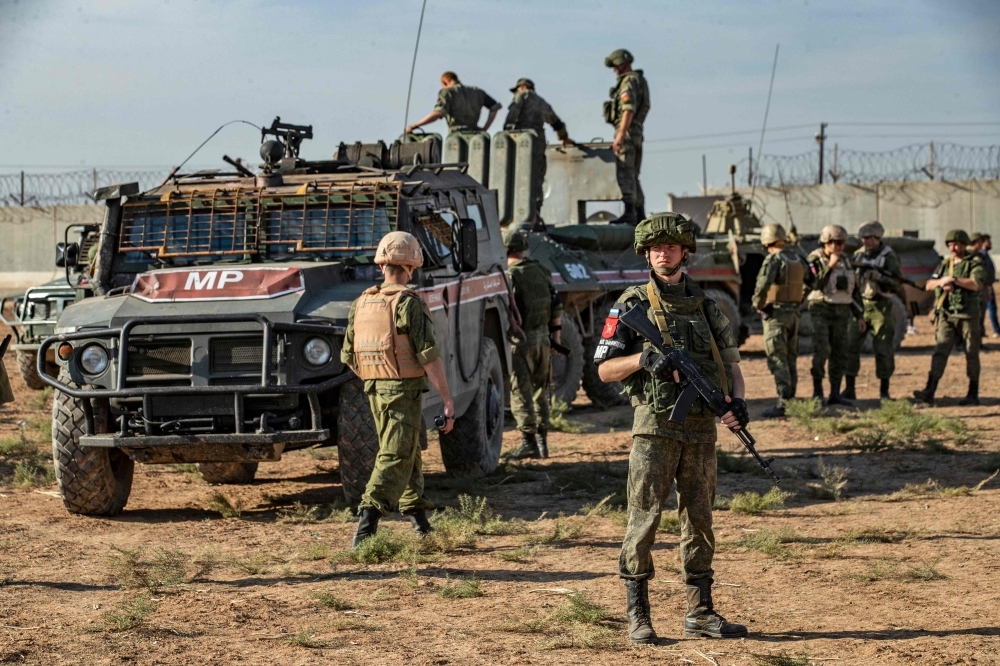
x: 390, y: 344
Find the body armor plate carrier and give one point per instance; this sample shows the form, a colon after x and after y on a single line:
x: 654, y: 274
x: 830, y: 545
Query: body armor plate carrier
x: 380, y: 351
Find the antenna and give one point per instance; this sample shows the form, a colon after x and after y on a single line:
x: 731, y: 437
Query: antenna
x: 767, y: 109
x: 413, y: 66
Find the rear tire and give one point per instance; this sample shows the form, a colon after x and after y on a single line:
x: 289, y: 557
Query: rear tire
x: 92, y: 481
x: 226, y: 473
x: 357, y: 440
x: 602, y: 394
x: 567, y: 371
x: 27, y: 364
x: 473, y: 445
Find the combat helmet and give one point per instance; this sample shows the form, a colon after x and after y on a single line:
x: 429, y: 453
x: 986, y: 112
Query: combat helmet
x: 618, y: 57
x: 514, y: 241
x: 399, y: 248
x: 832, y: 232
x: 665, y: 229
x: 957, y: 236
x: 871, y: 228
x: 772, y: 233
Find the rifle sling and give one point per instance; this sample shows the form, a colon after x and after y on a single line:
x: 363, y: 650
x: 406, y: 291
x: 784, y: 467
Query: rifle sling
x: 944, y: 294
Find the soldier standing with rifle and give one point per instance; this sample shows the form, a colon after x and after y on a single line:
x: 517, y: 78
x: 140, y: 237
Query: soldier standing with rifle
x: 832, y: 301
x: 541, y: 316
x: 390, y: 344
x: 879, y: 275
x: 956, y: 285
x: 529, y: 111
x: 626, y: 111
x: 460, y: 106
x: 777, y: 296
x: 664, y: 451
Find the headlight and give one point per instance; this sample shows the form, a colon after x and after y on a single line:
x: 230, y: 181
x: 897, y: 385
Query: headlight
x: 94, y: 359
x: 317, y: 351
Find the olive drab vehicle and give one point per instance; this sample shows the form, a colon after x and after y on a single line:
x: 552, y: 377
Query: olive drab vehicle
x: 221, y: 304
x: 35, y: 311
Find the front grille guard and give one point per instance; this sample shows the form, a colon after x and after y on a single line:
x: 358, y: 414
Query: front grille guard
x: 239, y: 392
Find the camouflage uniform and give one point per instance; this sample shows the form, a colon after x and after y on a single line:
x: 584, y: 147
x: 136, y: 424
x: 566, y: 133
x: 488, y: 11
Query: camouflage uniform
x: 529, y: 377
x: 958, y: 317
x: 630, y: 93
x: 781, y: 327
x: 529, y: 111
x: 462, y: 105
x: 396, y: 405
x: 6, y: 394
x: 876, y: 296
x: 831, y: 305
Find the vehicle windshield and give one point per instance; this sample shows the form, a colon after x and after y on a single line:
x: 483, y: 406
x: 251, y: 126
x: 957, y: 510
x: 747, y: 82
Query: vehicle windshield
x: 326, y: 223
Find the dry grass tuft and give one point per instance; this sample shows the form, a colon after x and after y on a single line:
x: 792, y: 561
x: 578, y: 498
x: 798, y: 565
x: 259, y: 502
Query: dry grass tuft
x: 223, y: 506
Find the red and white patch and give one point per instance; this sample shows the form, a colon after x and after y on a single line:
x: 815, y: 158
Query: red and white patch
x: 610, y: 326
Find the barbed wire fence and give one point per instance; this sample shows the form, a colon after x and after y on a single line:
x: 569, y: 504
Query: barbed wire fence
x: 24, y: 188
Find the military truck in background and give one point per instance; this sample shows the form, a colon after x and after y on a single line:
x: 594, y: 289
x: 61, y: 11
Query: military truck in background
x: 35, y: 311
x: 221, y: 302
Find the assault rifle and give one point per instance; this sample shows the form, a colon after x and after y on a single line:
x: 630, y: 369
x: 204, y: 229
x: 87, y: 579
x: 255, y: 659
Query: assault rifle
x: 886, y: 272
x: 693, y: 383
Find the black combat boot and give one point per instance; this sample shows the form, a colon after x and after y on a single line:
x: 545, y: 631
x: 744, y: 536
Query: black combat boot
x: 702, y: 620
x: 640, y: 626
x: 418, y: 519
x: 835, y: 396
x: 818, y: 388
x: 883, y: 389
x: 972, y: 397
x: 927, y: 395
x: 529, y: 448
x: 628, y: 217
x: 367, y: 525
x: 776, y: 412
x: 543, y: 442
x: 849, y: 391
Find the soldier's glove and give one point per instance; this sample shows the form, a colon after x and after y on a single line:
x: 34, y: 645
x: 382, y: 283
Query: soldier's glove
x: 656, y: 363
x: 738, y: 406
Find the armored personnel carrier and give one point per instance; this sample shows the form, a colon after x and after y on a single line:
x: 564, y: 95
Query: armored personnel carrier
x: 221, y: 302
x: 35, y: 311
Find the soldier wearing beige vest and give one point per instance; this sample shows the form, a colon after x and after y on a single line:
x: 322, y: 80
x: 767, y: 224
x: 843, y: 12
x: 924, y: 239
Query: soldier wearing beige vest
x: 390, y: 344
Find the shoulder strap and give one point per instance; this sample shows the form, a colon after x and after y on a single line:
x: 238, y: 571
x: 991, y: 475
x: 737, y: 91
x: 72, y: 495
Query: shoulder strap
x: 944, y: 294
x: 661, y: 320
x: 716, y: 356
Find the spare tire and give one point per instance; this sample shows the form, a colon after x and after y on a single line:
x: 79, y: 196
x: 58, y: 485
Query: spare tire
x: 27, y: 365
x: 567, y: 371
x: 357, y: 440
x: 474, y: 443
x: 602, y: 394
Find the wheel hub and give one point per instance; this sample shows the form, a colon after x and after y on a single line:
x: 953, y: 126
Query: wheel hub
x: 493, y: 408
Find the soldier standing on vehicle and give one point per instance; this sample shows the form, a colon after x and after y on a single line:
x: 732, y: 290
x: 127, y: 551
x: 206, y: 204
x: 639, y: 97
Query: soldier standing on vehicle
x: 956, y: 285
x: 626, y: 111
x: 780, y: 288
x: 390, y: 344
x: 541, y: 316
x: 530, y: 111
x: 982, y: 244
x: 879, y: 276
x: 460, y: 106
x: 663, y: 451
x: 831, y: 303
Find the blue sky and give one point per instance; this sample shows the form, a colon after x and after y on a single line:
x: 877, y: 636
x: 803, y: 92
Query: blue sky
x: 106, y: 82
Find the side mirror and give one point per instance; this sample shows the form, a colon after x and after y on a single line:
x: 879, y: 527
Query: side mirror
x: 67, y: 254
x: 465, y: 246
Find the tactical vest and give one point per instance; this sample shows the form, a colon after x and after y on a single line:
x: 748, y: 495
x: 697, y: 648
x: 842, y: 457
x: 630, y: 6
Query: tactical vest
x: 960, y: 302
x: 534, y: 299
x: 843, y: 275
x: 792, y: 288
x: 870, y: 276
x: 612, y: 107
x: 380, y: 351
x: 682, y: 323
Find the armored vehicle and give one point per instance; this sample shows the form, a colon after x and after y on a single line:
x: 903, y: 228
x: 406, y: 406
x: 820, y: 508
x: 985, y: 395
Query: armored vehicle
x: 221, y: 304
x: 35, y: 311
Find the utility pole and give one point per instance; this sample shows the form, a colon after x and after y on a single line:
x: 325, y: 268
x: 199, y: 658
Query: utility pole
x: 834, y: 173
x: 821, y: 139
x: 704, y: 176
x: 750, y: 168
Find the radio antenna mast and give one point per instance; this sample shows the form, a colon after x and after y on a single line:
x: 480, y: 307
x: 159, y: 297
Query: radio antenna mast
x: 413, y: 66
x: 767, y: 109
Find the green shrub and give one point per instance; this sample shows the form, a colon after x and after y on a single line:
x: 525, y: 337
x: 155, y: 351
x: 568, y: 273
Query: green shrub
x: 221, y: 505
x: 558, y: 421
x: 669, y: 523
x: 751, y: 503
x: 128, y: 614
x: 465, y: 588
x: 386, y: 545
x: 579, y: 609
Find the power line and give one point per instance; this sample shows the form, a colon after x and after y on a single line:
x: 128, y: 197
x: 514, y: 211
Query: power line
x: 721, y: 134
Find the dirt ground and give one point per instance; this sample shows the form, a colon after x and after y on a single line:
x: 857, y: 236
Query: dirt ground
x: 903, y: 569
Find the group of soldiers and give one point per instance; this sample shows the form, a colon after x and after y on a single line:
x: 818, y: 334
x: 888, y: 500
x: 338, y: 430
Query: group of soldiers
x: 626, y: 110
x: 850, y: 297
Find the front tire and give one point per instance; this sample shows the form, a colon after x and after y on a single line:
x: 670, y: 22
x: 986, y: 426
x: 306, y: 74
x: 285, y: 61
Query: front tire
x: 567, y: 371
x: 473, y: 445
x: 357, y: 440
x: 92, y: 481
x: 27, y: 365
x: 227, y: 473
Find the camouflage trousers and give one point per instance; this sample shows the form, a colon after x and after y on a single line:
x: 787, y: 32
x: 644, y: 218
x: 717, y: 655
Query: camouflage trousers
x: 829, y: 323
x: 653, y: 466
x: 529, y: 384
x: 781, y: 341
x: 949, y: 331
x: 882, y: 326
x: 627, y: 165
x: 398, y: 478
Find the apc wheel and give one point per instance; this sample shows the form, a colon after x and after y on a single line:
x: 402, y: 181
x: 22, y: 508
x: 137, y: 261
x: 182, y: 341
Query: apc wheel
x: 567, y: 371
x: 473, y: 445
x: 27, y: 364
x: 357, y: 440
x: 227, y: 473
x: 602, y: 394
x: 92, y: 481
x: 729, y: 308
